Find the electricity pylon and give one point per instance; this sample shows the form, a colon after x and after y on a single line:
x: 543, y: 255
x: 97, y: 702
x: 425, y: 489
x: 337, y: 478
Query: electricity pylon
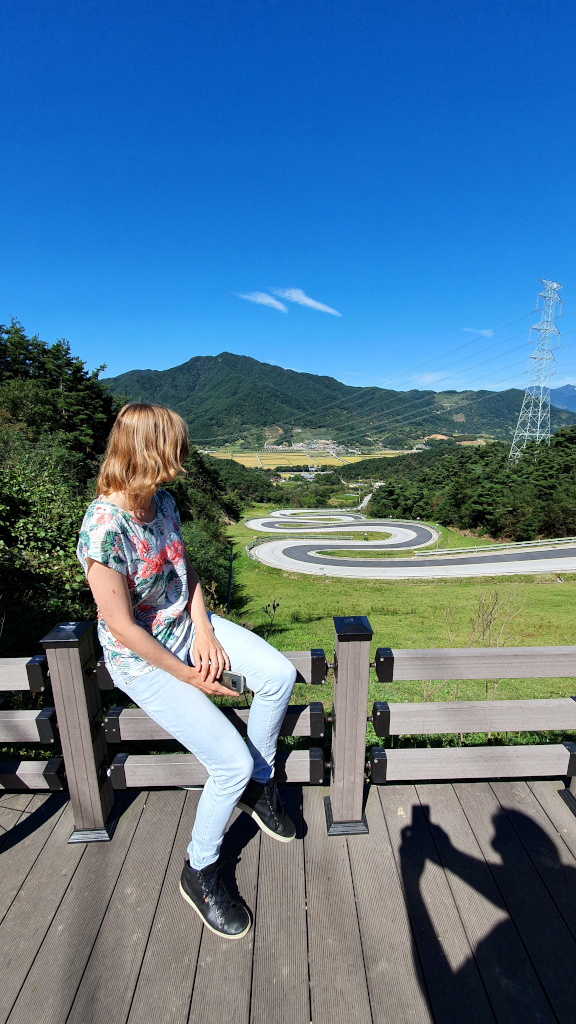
x: 534, y: 419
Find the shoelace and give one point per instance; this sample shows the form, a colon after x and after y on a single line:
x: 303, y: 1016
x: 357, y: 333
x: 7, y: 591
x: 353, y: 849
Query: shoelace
x: 273, y: 801
x: 216, y: 894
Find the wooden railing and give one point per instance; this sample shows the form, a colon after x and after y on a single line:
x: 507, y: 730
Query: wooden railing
x: 94, y: 766
x: 139, y: 770
x: 22, y: 728
x: 447, y: 717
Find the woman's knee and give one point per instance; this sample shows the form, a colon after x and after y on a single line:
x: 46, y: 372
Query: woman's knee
x: 288, y: 677
x: 236, y: 769
x: 281, y: 677
x: 245, y: 767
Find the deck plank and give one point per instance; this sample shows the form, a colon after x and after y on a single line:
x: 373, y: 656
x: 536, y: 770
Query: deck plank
x: 223, y: 978
x: 546, y: 937
x: 106, y: 990
x: 512, y: 986
x: 397, y: 991
x: 280, y: 990
x: 549, y: 855
x: 52, y: 983
x: 22, y: 845
x: 15, y: 801
x: 11, y: 810
x: 338, y: 986
x: 100, y: 933
x: 454, y: 984
x: 551, y: 796
x: 173, y: 945
x: 30, y: 915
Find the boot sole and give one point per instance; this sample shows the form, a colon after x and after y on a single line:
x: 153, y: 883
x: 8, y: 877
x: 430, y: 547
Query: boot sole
x: 253, y: 814
x: 222, y: 935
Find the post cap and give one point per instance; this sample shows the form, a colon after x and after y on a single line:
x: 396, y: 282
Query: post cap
x: 352, y: 627
x: 67, y: 633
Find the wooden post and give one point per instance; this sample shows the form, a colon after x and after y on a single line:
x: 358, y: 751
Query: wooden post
x: 344, y: 806
x: 71, y: 663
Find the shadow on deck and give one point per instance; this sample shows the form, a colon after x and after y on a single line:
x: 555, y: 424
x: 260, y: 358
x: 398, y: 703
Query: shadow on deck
x: 459, y: 907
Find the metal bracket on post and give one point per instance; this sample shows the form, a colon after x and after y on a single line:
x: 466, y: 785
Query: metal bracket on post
x: 70, y: 651
x: 103, y: 676
x: 384, y: 664
x: 37, y: 672
x: 344, y: 807
x: 318, y: 666
x: 381, y: 717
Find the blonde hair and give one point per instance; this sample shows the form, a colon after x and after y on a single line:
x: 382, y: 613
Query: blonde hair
x: 146, y: 447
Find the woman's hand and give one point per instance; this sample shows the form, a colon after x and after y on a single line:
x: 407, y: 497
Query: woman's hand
x: 210, y: 660
x: 110, y: 590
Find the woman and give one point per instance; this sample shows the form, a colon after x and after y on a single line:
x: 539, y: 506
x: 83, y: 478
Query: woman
x: 167, y: 652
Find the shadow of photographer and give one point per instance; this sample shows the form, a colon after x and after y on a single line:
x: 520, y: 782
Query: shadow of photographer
x: 500, y: 981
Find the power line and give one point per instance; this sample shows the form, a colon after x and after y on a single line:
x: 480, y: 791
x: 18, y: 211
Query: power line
x: 410, y: 408
x: 362, y: 397
x: 421, y: 399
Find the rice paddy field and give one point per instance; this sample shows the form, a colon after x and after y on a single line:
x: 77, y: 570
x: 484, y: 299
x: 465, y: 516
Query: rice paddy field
x: 269, y: 460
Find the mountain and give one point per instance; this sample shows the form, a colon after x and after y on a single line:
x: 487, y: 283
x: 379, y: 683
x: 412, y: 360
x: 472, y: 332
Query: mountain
x: 227, y: 397
x: 564, y: 398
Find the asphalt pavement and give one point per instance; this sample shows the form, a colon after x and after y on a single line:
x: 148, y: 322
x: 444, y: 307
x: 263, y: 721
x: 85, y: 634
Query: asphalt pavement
x: 295, y: 555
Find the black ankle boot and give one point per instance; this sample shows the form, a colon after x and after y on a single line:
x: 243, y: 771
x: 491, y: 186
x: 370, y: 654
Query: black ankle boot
x: 261, y: 800
x: 204, y: 890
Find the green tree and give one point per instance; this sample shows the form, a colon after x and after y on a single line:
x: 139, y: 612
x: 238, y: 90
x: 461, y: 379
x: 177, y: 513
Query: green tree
x: 41, y: 508
x: 48, y: 390
x: 477, y: 488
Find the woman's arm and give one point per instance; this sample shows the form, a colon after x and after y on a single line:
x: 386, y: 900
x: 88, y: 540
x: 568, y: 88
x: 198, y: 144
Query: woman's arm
x: 110, y: 591
x: 209, y: 655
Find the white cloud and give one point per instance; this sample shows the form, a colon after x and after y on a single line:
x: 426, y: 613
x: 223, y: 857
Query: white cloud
x: 262, y: 299
x: 472, y: 330
x: 298, y: 296
x: 429, y: 378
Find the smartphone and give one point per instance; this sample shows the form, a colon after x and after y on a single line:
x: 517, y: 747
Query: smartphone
x: 234, y: 681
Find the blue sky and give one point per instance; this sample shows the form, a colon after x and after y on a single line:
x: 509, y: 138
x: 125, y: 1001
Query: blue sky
x: 407, y: 164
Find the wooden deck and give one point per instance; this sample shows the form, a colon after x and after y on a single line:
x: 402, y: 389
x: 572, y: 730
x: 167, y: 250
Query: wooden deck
x: 459, y: 906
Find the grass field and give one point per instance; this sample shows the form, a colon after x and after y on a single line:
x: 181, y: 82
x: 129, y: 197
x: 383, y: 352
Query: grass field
x: 407, y: 614
x: 341, y: 553
x: 451, y: 538
x: 320, y: 537
x: 269, y: 460
x: 345, y: 536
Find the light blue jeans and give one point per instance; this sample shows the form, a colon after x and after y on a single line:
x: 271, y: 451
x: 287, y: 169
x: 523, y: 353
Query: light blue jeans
x: 191, y: 717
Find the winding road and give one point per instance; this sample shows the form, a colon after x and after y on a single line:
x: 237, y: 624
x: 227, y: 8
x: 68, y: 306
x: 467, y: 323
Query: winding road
x: 292, y: 554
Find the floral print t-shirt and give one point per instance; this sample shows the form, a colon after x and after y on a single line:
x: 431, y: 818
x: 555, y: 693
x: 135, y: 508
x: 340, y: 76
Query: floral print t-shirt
x: 151, y: 556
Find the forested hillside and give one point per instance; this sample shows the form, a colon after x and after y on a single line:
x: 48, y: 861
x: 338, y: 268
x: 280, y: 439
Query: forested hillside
x: 227, y: 397
x: 477, y: 488
x: 564, y: 397
x: 54, y: 420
